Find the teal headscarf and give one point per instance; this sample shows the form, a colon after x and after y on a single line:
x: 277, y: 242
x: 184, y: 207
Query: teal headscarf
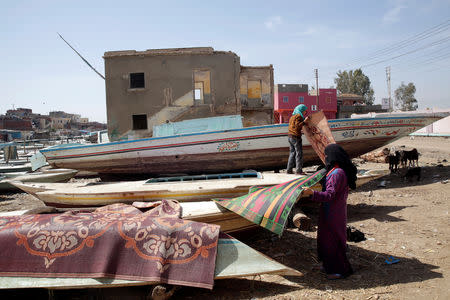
x: 299, y: 109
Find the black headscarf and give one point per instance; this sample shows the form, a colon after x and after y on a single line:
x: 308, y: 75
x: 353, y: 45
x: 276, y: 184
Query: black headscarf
x: 336, y: 154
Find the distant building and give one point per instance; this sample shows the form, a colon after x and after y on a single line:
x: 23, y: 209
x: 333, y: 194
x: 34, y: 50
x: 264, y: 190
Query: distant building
x: 19, y: 112
x: 15, y: 123
x: 147, y: 88
x: 350, y: 99
x: 345, y: 112
x: 288, y: 96
x: 348, y: 104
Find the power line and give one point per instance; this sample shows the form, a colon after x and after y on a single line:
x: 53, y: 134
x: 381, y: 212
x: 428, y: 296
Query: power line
x: 429, y: 57
x: 425, y: 64
x: 409, y: 52
x: 402, y: 44
x: 432, y: 59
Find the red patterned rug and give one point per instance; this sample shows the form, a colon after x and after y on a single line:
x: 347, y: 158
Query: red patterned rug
x: 318, y: 133
x: 114, y: 241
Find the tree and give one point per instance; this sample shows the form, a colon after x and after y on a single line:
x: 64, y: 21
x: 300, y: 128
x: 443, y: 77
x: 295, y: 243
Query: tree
x: 404, y: 97
x: 355, y: 82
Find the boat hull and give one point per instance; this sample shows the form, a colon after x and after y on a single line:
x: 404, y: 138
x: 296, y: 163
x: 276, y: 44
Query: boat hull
x: 69, y: 195
x: 260, y: 148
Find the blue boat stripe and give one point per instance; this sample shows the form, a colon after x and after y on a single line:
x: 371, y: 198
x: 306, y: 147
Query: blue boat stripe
x: 231, y: 130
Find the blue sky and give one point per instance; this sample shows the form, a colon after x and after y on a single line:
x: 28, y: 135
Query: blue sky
x: 39, y: 71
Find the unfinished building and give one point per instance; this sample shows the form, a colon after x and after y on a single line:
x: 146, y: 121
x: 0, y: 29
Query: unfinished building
x: 147, y: 88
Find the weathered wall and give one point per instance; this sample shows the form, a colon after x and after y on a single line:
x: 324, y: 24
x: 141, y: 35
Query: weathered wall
x: 256, y: 93
x: 169, y: 87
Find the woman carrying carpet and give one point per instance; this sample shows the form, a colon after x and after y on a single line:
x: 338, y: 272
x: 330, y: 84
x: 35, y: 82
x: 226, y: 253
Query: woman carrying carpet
x: 332, y: 227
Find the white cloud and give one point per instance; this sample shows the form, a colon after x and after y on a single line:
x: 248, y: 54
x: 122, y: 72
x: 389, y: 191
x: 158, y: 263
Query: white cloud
x: 273, y: 22
x: 393, y: 14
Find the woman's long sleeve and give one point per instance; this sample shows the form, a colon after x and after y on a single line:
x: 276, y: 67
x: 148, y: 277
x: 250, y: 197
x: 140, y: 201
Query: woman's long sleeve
x: 330, y: 191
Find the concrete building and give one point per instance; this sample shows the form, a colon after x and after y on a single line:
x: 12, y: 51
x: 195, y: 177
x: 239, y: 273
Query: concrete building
x: 345, y: 111
x: 60, y: 123
x: 15, y: 123
x: 256, y: 86
x: 288, y: 96
x: 348, y: 104
x: 19, y: 112
x: 147, y: 88
x: 350, y: 99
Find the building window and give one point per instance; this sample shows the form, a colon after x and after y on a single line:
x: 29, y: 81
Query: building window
x: 202, y: 86
x: 313, y: 107
x: 139, y: 122
x: 285, y: 99
x: 328, y: 100
x: 137, y: 81
x: 254, y: 89
x: 198, y: 95
x: 301, y: 99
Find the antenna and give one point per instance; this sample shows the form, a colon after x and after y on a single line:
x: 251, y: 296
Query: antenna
x: 82, y: 57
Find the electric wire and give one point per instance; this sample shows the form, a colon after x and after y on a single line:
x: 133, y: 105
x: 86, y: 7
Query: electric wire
x: 405, y: 43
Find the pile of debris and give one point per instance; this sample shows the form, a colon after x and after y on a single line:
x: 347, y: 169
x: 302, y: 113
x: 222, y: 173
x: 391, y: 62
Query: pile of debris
x: 376, y: 156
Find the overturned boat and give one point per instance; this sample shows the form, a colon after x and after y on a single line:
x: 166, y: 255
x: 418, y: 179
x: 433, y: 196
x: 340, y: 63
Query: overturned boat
x: 259, y: 148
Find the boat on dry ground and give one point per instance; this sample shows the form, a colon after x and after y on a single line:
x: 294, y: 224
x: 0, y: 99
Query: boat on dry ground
x: 184, y: 188
x: 258, y: 148
x: 45, y: 176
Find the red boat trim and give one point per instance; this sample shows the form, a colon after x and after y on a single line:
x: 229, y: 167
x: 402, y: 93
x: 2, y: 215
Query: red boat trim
x: 252, y: 137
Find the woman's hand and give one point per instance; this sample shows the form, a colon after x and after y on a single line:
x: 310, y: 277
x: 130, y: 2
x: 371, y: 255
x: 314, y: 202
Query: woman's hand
x: 306, y: 192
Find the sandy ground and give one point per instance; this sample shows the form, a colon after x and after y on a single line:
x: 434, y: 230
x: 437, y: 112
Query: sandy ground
x: 406, y: 219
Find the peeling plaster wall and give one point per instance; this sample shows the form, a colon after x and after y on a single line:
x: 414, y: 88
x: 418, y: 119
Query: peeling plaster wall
x: 169, y: 87
x: 256, y: 93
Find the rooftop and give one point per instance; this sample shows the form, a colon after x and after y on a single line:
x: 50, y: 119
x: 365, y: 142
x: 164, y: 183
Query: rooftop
x: 169, y: 51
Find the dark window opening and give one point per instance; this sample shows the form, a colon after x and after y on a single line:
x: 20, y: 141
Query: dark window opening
x: 137, y: 81
x: 139, y: 122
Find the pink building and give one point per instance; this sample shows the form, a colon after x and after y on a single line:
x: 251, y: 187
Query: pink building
x: 288, y: 96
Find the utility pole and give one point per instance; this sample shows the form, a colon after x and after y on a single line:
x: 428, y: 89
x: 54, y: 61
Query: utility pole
x: 388, y: 80
x: 317, y: 88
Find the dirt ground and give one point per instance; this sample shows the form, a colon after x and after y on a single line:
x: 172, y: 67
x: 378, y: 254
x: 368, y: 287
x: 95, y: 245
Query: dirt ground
x: 405, y: 219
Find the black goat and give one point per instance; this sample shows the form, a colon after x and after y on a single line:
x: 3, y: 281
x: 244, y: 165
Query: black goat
x: 393, y: 161
x: 411, y: 157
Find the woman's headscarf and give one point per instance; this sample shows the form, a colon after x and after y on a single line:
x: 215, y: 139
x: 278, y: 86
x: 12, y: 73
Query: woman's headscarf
x: 336, y: 154
x: 299, y: 109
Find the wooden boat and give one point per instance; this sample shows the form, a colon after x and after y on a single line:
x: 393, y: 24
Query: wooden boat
x: 55, y: 175
x: 364, y: 176
x: 97, y: 194
x: 259, y: 148
x: 15, y: 167
x: 234, y: 259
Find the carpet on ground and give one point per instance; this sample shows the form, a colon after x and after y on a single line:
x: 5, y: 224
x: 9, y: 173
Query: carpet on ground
x: 115, y: 241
